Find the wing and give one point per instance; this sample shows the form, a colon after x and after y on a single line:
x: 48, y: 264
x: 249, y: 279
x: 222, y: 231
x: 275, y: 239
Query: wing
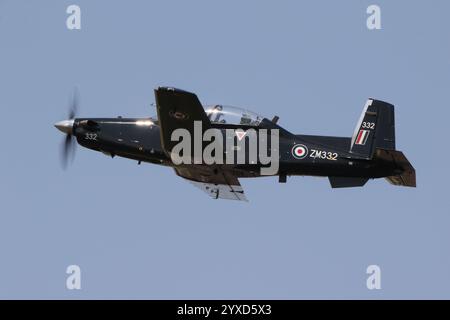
x: 216, y: 183
x: 178, y: 109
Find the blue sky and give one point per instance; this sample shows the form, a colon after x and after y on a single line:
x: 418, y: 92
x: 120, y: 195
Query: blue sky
x: 142, y: 232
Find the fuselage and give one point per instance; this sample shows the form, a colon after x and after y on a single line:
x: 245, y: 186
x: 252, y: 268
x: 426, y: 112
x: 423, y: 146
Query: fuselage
x: 140, y: 139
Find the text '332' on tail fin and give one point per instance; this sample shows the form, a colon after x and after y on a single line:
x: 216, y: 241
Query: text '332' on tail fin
x: 375, y: 129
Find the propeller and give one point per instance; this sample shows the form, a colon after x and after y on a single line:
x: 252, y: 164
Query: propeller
x: 67, y: 151
x: 74, y: 103
x: 66, y: 126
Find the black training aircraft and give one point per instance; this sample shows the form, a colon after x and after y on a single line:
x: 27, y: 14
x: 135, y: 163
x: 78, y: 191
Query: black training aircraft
x: 346, y: 161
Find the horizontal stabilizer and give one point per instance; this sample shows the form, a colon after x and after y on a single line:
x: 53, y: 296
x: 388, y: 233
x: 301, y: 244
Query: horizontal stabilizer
x: 406, y: 179
x: 347, y: 182
x: 407, y: 174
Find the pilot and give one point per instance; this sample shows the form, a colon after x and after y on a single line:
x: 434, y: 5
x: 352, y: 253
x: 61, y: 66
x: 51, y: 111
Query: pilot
x: 217, y: 112
x: 246, y: 119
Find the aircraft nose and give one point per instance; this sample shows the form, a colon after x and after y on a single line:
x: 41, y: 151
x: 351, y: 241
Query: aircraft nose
x: 65, y: 126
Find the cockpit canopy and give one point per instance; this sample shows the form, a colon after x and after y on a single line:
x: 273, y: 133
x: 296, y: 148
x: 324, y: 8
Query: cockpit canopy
x: 232, y: 115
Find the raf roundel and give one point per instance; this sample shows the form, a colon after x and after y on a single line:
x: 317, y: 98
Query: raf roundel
x: 299, y: 151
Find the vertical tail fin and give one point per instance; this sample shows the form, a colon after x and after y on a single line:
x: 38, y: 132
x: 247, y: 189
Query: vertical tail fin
x: 375, y: 129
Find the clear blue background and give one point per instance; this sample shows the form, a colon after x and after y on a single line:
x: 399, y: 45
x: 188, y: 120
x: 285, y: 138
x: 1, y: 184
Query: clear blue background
x: 142, y: 232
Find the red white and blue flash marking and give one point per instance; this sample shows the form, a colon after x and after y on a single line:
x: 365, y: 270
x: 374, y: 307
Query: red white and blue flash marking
x: 362, y: 137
